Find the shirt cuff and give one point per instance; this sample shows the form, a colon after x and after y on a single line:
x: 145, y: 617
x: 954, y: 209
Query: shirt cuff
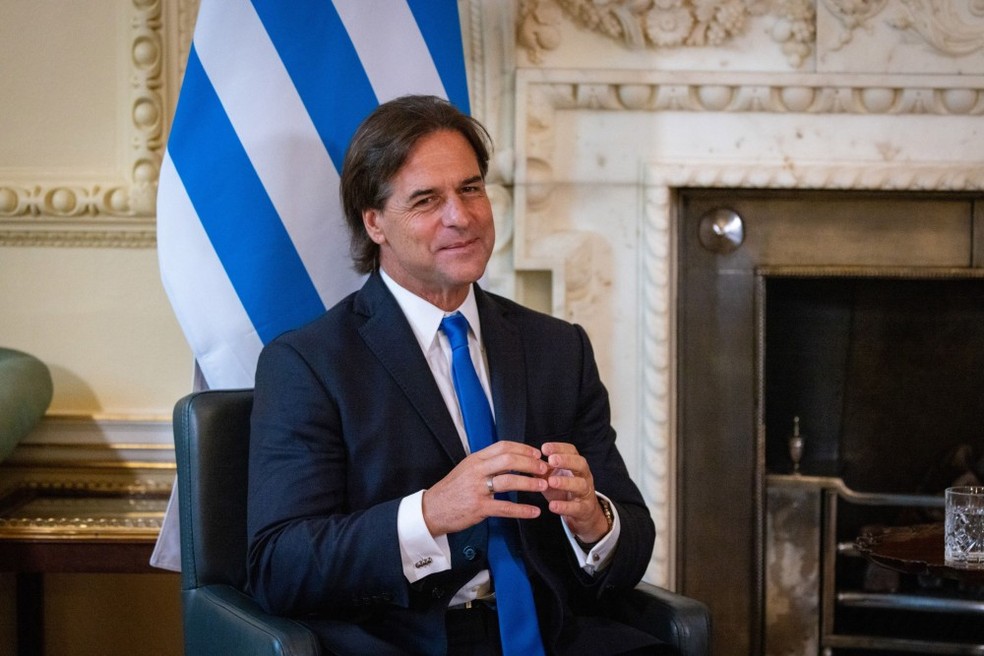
x: 422, y: 554
x: 600, y: 554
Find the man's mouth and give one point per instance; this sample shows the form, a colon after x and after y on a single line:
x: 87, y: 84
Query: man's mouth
x: 458, y: 245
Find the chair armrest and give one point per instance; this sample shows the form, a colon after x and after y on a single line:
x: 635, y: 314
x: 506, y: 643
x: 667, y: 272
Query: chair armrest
x: 25, y: 394
x: 676, y: 620
x: 218, y: 619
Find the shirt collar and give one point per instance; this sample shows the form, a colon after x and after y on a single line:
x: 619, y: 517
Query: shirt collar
x: 425, y: 318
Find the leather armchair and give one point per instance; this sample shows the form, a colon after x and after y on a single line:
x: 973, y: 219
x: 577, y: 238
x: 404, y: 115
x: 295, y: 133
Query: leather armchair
x: 211, y: 433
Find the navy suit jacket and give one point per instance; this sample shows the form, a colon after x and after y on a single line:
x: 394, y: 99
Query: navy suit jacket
x: 348, y: 420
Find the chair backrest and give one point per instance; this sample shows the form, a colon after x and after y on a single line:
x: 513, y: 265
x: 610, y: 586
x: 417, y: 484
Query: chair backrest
x: 211, y: 438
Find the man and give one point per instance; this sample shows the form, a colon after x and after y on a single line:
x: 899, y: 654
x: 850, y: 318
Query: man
x: 372, y: 517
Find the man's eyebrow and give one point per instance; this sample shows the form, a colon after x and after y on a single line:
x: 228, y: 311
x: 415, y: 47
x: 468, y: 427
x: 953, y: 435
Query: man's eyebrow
x: 427, y: 191
x: 420, y: 192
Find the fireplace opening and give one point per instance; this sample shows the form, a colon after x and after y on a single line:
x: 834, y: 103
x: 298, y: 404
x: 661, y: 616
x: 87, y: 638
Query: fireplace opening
x: 877, y: 299
x: 874, y: 401
x: 886, y: 376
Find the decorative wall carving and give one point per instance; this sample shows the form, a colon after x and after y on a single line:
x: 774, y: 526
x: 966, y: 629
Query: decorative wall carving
x: 943, y: 26
x: 736, y: 92
x: 951, y: 28
x: 852, y: 14
x: 116, y: 212
x: 667, y: 23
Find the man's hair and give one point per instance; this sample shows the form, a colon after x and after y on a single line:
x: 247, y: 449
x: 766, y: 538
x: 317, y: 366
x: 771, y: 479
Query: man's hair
x: 379, y: 149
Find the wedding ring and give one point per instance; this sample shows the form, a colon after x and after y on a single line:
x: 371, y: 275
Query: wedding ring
x: 488, y: 484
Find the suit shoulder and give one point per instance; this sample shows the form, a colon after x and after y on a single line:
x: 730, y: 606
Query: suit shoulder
x: 330, y: 328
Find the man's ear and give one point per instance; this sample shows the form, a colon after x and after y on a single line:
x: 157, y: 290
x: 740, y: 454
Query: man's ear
x: 370, y: 219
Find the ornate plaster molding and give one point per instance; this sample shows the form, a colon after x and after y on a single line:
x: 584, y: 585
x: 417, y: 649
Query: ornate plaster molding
x: 662, y: 24
x: 87, y: 236
x: 117, y: 212
x: 751, y: 92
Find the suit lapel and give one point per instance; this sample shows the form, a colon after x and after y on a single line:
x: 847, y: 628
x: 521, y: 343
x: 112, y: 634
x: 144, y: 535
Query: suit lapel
x: 388, y: 335
x: 507, y: 368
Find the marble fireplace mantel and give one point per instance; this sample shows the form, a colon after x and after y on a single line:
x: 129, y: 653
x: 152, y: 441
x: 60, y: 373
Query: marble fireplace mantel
x: 595, y: 133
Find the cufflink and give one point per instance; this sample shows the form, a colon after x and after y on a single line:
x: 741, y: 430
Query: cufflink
x: 423, y: 562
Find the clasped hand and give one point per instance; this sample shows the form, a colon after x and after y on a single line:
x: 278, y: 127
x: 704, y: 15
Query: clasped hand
x: 463, y: 498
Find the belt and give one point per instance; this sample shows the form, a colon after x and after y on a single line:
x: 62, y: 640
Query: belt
x: 484, y: 602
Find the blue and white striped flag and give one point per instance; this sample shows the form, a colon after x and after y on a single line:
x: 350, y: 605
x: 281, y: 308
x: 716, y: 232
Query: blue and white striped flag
x: 250, y: 233
x: 251, y: 239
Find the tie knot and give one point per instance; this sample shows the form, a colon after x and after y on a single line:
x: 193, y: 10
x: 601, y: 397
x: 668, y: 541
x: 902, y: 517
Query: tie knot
x: 455, y: 326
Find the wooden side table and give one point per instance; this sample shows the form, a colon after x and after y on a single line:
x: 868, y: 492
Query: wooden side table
x: 50, y: 529
x: 915, y: 549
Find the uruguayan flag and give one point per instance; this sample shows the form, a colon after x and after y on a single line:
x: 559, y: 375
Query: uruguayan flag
x: 251, y: 239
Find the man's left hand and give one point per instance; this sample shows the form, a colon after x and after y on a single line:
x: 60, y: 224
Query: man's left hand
x: 571, y: 491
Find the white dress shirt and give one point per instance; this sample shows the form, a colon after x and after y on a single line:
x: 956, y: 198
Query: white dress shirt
x: 422, y: 553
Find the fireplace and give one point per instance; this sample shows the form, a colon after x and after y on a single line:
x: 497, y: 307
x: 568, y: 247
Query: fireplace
x: 838, y: 308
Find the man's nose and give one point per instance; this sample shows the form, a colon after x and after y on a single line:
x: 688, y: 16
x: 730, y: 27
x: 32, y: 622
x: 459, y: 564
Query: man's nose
x: 456, y: 211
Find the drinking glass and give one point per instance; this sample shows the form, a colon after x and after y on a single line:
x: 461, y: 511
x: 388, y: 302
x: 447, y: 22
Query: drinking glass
x: 964, y: 527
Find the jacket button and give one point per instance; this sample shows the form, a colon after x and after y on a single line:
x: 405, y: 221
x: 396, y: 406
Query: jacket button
x: 470, y: 553
x: 437, y: 592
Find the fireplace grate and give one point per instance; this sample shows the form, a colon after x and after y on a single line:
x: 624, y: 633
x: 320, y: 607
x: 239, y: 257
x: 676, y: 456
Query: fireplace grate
x: 866, y: 608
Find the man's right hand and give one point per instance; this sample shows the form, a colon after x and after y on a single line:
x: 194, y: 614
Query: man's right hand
x: 462, y: 498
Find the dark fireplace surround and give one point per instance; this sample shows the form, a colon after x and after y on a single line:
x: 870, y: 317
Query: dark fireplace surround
x: 861, y: 313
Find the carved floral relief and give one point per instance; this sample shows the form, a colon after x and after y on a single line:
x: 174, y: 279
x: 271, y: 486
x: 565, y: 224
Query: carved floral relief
x: 951, y: 28
x: 667, y: 23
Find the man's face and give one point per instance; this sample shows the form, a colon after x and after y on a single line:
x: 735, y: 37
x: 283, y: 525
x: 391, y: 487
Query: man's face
x: 436, y: 231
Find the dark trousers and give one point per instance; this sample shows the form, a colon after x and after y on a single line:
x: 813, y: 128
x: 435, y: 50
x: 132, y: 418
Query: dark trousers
x: 475, y: 632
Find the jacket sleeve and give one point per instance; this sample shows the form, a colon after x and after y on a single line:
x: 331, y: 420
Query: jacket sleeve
x: 587, y: 425
x: 307, y: 550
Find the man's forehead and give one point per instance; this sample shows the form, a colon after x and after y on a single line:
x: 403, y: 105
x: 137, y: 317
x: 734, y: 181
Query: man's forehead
x: 438, y: 159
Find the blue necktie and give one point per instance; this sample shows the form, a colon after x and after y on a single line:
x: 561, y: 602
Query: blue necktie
x: 518, y: 625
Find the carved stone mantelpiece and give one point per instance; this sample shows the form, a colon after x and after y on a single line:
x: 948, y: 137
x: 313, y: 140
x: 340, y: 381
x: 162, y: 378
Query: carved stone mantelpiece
x: 600, y: 153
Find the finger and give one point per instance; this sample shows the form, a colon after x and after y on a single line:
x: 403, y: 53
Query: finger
x: 500, y: 508
x: 576, y: 512
x: 516, y: 483
x: 568, y: 464
x: 514, y: 462
x: 566, y: 508
x: 574, y: 486
x: 509, y: 447
x: 550, y: 448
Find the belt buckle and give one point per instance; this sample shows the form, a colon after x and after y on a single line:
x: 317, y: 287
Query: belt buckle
x: 483, y: 602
